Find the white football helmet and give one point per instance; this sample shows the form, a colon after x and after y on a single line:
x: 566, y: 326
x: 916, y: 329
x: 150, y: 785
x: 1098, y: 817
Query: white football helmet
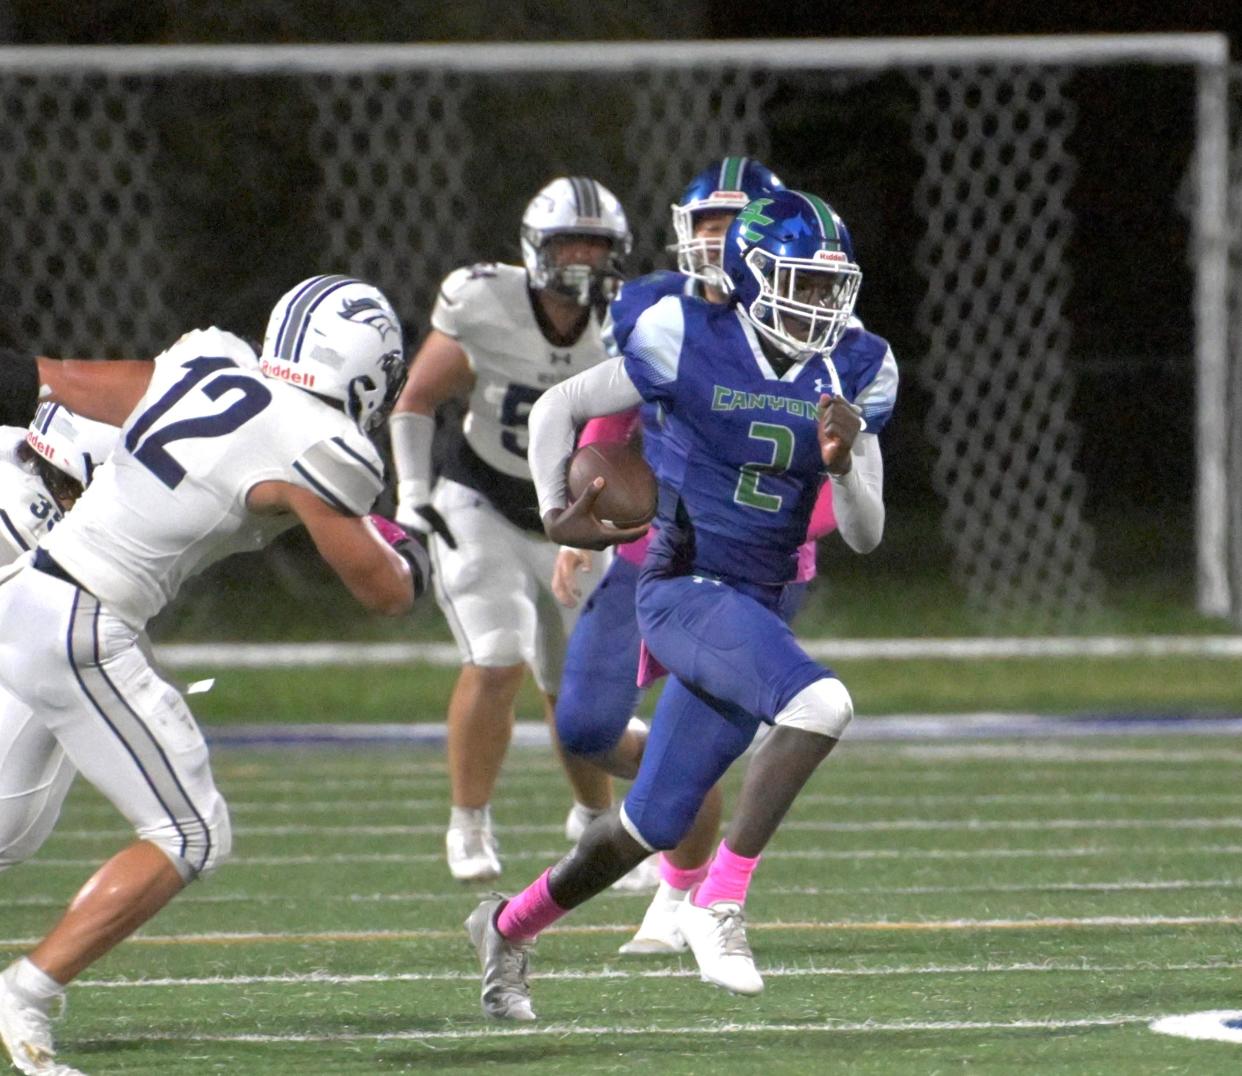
x: 74, y: 445
x: 340, y: 339
x: 575, y: 205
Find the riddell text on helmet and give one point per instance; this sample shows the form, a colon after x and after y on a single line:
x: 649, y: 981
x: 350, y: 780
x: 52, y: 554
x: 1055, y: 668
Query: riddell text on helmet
x: 281, y: 372
x: 44, y: 448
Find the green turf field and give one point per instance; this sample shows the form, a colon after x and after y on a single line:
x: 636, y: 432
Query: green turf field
x: 386, y: 693
x: 991, y: 906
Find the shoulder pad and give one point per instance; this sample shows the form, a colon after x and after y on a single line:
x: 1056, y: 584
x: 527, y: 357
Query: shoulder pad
x: 477, y: 293
x: 478, y: 279
x: 345, y: 471
x: 639, y: 295
x: 214, y: 342
x: 868, y: 374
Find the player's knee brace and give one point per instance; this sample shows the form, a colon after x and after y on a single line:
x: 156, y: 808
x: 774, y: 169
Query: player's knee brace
x: 195, y: 846
x: 824, y: 707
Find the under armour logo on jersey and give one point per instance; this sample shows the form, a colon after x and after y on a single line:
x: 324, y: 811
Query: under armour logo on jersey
x: 566, y: 358
x: 372, y: 314
x: 820, y: 386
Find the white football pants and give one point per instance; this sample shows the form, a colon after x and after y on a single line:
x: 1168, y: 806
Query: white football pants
x: 85, y: 698
x: 495, y: 588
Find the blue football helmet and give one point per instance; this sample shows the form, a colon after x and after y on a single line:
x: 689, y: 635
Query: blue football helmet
x: 791, y: 270
x: 724, y: 186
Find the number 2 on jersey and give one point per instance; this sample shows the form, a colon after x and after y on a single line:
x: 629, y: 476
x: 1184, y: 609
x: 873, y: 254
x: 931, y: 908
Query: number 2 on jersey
x: 781, y: 438
x: 148, y: 443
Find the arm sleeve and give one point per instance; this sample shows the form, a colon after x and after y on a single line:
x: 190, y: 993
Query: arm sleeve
x: 19, y: 387
x: 858, y: 496
x: 412, y: 435
x: 604, y: 389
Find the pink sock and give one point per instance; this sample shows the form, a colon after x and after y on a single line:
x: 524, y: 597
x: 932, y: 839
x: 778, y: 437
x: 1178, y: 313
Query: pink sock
x: 728, y: 878
x: 530, y: 912
x: 678, y: 878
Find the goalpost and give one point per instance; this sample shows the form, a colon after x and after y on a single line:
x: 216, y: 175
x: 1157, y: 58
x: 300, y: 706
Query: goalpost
x: 398, y: 163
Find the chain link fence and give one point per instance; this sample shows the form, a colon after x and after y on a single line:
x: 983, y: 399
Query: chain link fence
x: 991, y: 197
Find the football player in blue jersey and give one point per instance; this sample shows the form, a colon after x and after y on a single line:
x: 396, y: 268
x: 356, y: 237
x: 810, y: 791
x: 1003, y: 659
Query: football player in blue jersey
x: 764, y: 399
x: 598, y: 687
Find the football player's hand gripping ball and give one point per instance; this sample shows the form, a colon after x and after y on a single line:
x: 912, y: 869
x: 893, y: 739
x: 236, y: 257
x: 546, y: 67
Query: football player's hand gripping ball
x: 579, y: 527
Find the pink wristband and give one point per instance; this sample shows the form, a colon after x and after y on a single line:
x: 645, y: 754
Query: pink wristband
x: 388, y: 530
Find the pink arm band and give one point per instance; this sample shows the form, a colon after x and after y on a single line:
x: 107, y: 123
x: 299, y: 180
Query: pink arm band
x: 618, y: 427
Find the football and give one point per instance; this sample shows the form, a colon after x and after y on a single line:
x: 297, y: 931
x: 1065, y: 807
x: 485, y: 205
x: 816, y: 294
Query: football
x: 628, y: 498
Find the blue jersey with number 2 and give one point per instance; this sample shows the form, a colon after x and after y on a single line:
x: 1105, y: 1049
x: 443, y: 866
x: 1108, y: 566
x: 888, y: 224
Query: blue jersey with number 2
x: 739, y: 464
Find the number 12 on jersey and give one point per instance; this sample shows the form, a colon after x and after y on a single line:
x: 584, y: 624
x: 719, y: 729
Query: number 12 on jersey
x: 147, y: 440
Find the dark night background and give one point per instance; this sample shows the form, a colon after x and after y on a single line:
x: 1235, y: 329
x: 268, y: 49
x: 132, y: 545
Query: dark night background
x: 1129, y: 249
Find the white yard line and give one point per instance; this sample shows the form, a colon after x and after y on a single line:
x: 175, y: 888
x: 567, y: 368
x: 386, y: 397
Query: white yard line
x: 901, y: 853
x: 295, y: 655
x: 556, y: 799
x: 315, y: 978
x: 1063, y: 754
x: 891, y: 729
x: 1123, y: 886
x: 562, y: 1031
x: 893, y: 825
x: 1107, y: 922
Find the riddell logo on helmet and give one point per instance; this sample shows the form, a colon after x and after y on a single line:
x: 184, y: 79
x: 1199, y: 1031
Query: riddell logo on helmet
x: 830, y: 256
x: 44, y: 448
x: 281, y: 372
x: 732, y: 197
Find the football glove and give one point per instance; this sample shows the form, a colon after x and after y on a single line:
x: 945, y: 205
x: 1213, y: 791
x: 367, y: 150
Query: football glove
x: 424, y: 520
x: 409, y: 548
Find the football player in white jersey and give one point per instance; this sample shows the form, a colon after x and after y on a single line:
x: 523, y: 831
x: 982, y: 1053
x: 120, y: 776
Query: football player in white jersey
x: 501, y: 335
x: 43, y: 470
x: 219, y: 452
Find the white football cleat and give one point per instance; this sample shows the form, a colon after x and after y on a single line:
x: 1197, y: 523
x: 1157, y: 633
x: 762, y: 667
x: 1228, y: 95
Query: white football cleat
x: 658, y: 932
x: 642, y: 879
x: 505, y: 993
x: 472, y: 850
x: 27, y: 1035
x: 578, y: 819
x: 717, y: 936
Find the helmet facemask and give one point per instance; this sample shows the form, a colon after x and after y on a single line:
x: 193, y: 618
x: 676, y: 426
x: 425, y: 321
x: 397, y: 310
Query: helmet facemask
x: 804, y: 304
x: 699, y: 256
x: 574, y: 207
x: 586, y: 283
x: 365, y: 404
